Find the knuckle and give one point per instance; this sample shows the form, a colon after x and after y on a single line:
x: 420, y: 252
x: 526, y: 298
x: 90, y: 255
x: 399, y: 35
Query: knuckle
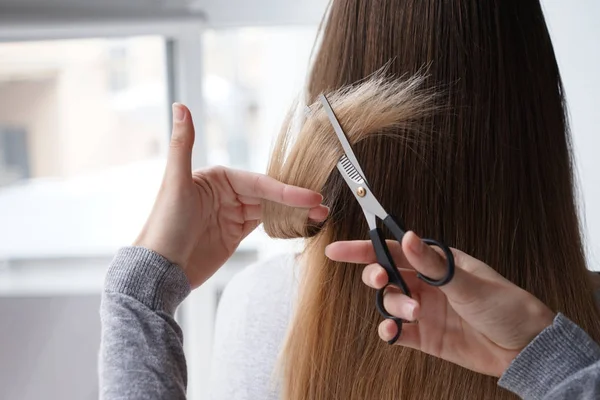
x: 219, y: 169
x: 366, y: 251
x: 178, y: 142
x: 216, y: 174
x: 257, y: 187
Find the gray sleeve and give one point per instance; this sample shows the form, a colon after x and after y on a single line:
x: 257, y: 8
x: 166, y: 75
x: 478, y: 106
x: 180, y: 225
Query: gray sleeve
x: 562, y: 362
x: 141, y: 350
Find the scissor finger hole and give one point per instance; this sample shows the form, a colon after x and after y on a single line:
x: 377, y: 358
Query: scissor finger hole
x: 449, y: 258
x: 391, y: 289
x: 396, y: 305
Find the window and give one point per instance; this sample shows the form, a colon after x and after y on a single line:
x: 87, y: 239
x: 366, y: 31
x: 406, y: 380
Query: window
x: 83, y: 138
x: 79, y: 121
x: 118, y: 68
x: 252, y: 77
x: 14, y: 158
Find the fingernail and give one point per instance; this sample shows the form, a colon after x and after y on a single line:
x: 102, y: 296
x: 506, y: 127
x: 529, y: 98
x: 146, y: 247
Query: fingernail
x: 178, y: 112
x: 318, y: 214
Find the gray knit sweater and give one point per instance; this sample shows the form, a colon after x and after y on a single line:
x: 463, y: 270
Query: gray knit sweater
x: 141, y: 354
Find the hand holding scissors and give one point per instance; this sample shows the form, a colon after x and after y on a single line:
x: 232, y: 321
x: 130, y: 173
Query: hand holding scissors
x: 354, y: 177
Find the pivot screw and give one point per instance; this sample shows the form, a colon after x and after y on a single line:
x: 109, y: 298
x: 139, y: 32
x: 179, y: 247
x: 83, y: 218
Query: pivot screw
x: 361, y: 192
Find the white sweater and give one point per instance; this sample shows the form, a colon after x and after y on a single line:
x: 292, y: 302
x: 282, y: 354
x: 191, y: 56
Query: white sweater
x: 252, y: 319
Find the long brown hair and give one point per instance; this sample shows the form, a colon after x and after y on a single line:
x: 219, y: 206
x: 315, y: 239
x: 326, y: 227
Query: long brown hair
x: 488, y: 170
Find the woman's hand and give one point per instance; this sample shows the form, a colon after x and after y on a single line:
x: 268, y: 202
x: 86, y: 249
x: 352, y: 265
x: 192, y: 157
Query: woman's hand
x: 200, y: 218
x: 479, y: 320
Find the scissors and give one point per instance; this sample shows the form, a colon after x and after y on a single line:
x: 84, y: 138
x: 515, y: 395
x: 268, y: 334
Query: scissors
x: 355, y: 179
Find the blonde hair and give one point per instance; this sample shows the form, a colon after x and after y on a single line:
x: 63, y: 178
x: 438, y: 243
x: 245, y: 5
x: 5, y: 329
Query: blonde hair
x: 377, y: 106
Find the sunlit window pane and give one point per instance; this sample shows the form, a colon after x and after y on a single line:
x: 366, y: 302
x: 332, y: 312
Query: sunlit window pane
x: 82, y: 122
x: 252, y: 77
x: 83, y: 138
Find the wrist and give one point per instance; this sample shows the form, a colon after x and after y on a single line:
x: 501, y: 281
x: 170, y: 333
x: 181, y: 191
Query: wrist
x: 533, y: 318
x: 539, y: 317
x: 174, y: 255
x: 148, y: 277
x: 156, y: 247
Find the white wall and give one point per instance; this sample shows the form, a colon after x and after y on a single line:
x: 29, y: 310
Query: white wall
x: 575, y: 31
x: 52, y: 352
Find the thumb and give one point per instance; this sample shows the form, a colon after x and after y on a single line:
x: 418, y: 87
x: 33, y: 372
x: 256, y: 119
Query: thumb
x: 179, y: 160
x: 464, y: 286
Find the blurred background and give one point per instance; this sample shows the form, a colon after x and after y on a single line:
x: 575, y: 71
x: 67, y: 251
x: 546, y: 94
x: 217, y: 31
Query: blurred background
x: 85, y: 94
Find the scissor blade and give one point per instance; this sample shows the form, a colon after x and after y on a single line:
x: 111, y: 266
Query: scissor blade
x: 348, y: 170
x: 361, y: 191
x: 349, y: 154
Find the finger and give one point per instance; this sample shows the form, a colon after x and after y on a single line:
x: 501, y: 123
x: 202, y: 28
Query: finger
x: 251, y: 184
x: 409, y: 337
x: 401, y: 306
x: 471, y: 264
x: 179, y: 160
x: 249, y: 200
x: 318, y: 213
x: 362, y: 251
x: 429, y: 262
x: 252, y: 212
x: 375, y: 276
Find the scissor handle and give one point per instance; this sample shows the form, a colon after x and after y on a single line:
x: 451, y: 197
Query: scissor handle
x: 385, y: 259
x: 392, y: 224
x: 387, y: 315
x: 449, y: 265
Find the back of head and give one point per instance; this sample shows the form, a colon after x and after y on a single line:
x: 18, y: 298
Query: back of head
x: 484, y: 165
